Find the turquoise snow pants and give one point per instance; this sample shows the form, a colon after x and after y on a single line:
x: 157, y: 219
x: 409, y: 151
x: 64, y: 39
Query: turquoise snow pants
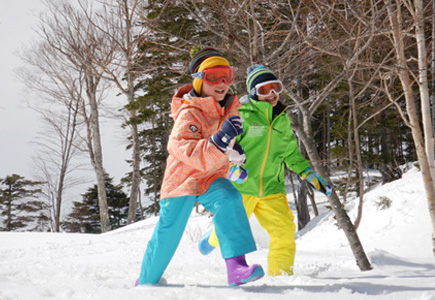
x: 230, y: 220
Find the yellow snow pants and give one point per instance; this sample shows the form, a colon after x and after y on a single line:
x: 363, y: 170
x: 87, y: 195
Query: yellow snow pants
x: 275, y: 216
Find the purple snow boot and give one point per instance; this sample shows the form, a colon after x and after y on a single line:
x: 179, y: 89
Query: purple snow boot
x: 240, y: 273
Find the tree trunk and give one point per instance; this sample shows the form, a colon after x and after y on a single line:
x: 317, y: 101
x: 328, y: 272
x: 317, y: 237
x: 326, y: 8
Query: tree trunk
x: 123, y: 17
x: 359, y: 164
x: 417, y: 136
x: 130, y: 51
x: 432, y: 96
x: 424, y: 86
x: 135, y: 177
x: 339, y: 211
x: 302, y: 205
x: 96, y: 152
x: 59, y: 202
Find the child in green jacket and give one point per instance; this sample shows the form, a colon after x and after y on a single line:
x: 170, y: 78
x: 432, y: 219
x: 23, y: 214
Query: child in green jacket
x: 270, y: 145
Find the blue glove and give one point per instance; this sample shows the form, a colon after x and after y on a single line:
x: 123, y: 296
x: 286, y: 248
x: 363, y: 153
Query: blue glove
x: 231, y: 128
x: 316, y: 181
x: 236, y: 155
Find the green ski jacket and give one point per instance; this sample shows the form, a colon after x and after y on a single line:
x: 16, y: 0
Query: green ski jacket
x: 269, y: 145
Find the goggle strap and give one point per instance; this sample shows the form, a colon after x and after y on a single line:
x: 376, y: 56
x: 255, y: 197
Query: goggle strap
x: 268, y: 82
x: 199, y: 75
x: 253, y: 92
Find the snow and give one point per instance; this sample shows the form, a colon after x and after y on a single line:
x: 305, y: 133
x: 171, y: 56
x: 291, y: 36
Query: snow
x: 397, y: 241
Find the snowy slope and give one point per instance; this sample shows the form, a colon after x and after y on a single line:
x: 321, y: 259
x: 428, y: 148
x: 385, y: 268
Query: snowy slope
x: 397, y: 240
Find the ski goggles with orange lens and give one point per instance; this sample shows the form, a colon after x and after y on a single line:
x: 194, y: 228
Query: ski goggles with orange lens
x: 216, y: 75
x: 266, y: 88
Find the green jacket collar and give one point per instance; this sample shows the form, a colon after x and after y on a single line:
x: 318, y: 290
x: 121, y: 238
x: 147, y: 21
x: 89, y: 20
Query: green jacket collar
x: 252, y: 104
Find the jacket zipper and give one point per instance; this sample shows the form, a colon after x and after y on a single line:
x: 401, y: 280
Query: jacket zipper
x: 266, y: 154
x: 263, y: 166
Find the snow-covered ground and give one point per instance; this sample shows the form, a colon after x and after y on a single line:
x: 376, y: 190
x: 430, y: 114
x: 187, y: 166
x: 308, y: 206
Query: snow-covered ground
x: 397, y: 240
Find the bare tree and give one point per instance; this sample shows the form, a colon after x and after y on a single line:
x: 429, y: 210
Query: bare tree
x: 423, y: 86
x: 55, y: 161
x: 68, y: 31
x: 120, y: 21
x: 399, y: 34
x: 50, y: 78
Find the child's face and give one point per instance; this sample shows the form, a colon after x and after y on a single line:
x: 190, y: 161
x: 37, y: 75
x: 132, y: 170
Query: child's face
x: 217, y: 91
x: 272, y: 99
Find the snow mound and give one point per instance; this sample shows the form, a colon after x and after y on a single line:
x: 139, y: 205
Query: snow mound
x: 395, y: 232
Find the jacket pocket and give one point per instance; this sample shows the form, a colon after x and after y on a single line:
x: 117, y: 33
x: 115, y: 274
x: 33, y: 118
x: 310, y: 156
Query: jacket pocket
x: 281, y: 170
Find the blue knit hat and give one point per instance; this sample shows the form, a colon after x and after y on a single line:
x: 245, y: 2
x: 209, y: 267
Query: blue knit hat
x: 257, y: 74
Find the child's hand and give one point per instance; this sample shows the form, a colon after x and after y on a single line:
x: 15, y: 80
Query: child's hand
x: 238, y: 174
x: 316, y: 181
x: 231, y: 128
x: 237, y: 155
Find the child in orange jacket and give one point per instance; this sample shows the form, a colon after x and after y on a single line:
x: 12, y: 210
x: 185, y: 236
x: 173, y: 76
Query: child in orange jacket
x: 206, y: 121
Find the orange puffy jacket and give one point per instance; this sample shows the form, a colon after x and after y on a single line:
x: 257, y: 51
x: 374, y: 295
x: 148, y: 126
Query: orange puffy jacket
x: 194, y: 162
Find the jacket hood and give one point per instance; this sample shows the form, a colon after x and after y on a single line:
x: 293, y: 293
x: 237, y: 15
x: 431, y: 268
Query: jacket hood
x: 245, y: 100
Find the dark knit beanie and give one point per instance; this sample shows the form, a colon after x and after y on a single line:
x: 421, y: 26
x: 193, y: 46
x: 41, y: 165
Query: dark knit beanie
x: 204, y: 58
x: 199, y: 54
x: 257, y: 74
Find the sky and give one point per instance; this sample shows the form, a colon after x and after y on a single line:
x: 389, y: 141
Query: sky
x: 19, y: 124
x: 397, y: 241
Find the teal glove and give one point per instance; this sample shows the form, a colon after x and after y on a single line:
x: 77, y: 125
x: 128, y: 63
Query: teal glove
x: 316, y: 181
